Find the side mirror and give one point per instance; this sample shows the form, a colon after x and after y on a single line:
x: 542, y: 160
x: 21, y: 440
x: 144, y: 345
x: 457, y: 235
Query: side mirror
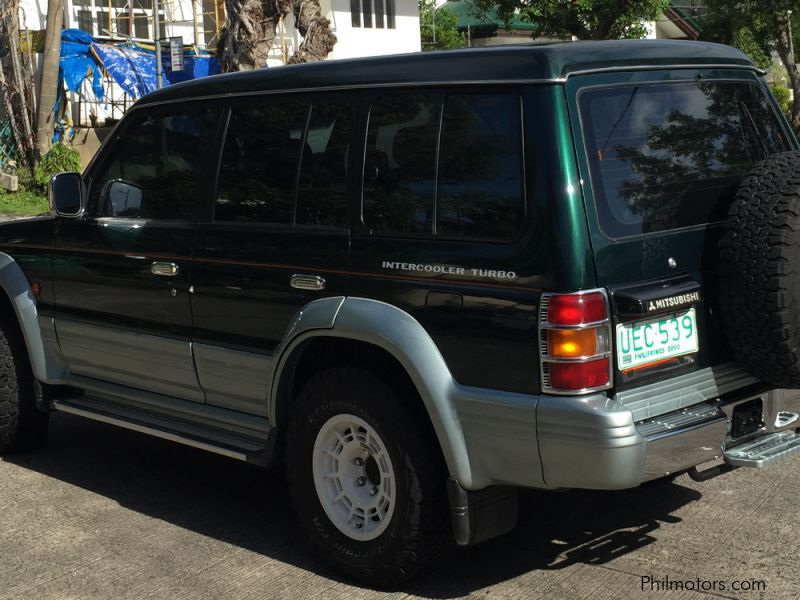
x: 66, y: 194
x: 123, y: 199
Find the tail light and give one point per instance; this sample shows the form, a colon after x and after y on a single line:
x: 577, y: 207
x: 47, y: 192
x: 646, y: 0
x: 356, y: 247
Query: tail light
x: 575, y: 342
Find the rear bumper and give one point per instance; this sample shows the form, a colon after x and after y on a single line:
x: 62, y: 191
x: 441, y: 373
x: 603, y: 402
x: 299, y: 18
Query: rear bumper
x: 593, y: 442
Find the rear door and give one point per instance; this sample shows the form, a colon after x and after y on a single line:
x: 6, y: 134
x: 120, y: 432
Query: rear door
x: 661, y: 156
x: 279, y: 213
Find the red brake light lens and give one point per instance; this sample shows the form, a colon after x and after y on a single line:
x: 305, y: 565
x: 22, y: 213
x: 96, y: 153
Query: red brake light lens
x: 579, y: 375
x: 576, y: 309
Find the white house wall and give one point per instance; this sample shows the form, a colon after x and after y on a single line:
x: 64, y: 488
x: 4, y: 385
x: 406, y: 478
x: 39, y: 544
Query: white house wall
x: 33, y: 14
x: 362, y: 41
x: 178, y: 21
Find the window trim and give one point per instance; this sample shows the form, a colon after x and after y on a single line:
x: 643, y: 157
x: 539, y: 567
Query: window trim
x: 581, y: 136
x: 443, y: 92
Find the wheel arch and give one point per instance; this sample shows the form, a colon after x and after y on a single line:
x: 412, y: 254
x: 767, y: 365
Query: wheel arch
x: 401, y: 346
x: 16, y: 296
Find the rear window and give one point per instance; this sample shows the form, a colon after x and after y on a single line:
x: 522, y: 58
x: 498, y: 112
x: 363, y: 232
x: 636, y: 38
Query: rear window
x: 668, y: 156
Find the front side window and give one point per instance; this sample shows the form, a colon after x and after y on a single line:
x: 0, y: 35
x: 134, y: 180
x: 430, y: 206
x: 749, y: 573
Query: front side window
x: 157, y: 166
x: 668, y: 156
x: 445, y: 165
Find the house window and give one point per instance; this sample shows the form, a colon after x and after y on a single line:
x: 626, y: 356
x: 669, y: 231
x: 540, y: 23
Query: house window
x: 372, y: 13
x: 123, y: 20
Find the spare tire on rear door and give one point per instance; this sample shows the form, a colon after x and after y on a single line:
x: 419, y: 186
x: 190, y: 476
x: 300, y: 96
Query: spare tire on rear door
x: 760, y: 271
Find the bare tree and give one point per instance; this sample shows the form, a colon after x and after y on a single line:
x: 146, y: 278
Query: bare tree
x: 15, y: 81
x: 252, y: 25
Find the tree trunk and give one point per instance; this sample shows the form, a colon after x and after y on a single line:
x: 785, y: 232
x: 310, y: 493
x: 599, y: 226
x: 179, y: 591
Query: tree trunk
x: 251, y: 28
x: 48, y: 90
x: 318, y: 39
x: 784, y: 48
x: 250, y: 32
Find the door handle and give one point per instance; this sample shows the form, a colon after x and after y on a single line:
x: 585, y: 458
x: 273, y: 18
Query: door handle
x: 165, y: 269
x: 307, y: 282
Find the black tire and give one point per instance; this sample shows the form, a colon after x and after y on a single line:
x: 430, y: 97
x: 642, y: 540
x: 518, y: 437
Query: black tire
x: 22, y: 425
x: 419, y: 532
x: 760, y: 271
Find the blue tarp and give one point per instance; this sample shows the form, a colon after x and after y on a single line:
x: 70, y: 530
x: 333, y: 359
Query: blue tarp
x: 132, y: 66
x: 77, y: 62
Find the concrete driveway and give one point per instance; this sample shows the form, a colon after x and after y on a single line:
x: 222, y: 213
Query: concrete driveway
x: 107, y: 513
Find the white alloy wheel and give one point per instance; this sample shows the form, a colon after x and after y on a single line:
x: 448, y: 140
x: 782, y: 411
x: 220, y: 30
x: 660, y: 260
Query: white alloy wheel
x: 354, y: 477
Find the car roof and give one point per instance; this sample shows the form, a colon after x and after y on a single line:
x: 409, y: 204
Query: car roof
x: 529, y: 62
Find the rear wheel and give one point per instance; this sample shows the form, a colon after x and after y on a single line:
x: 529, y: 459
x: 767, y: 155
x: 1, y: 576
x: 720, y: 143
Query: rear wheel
x: 367, y: 480
x: 22, y: 425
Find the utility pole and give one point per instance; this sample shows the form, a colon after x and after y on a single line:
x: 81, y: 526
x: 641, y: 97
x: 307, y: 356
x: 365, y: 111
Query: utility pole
x: 157, y: 37
x: 48, y: 91
x: 791, y: 37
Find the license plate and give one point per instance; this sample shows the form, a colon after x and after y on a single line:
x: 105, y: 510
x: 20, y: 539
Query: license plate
x: 655, y: 340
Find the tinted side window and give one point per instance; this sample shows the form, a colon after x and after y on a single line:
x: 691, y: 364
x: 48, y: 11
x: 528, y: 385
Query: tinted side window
x: 400, y: 163
x: 259, y: 165
x: 667, y: 156
x: 446, y: 166
x: 322, y: 191
x: 480, y: 191
x: 166, y: 157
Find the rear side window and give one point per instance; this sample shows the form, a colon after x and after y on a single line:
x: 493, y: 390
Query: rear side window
x: 445, y: 165
x: 324, y: 172
x: 258, y: 171
x: 285, y: 163
x: 668, y: 156
x: 163, y: 160
x: 400, y: 163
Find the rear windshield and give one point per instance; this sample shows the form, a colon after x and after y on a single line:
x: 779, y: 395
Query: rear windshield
x: 667, y: 156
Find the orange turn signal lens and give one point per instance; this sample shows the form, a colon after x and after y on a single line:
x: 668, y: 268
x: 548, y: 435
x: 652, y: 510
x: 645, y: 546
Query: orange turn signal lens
x: 572, y: 343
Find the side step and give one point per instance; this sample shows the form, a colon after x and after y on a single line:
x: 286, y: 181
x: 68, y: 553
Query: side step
x: 764, y: 450
x: 183, y: 433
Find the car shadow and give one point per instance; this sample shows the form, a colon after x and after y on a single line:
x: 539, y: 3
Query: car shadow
x: 250, y: 508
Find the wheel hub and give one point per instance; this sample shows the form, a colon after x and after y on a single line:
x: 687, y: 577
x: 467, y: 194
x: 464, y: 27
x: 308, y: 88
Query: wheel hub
x: 354, y: 477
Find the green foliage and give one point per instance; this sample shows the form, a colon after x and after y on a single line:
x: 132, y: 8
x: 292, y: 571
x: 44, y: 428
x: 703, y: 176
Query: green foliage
x: 742, y: 25
x: 23, y: 203
x: 585, y: 19
x: 59, y: 158
x: 782, y: 95
x: 747, y: 41
x: 758, y: 27
x: 438, y: 28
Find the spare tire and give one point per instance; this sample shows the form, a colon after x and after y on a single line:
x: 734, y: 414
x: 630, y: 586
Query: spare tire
x: 760, y: 271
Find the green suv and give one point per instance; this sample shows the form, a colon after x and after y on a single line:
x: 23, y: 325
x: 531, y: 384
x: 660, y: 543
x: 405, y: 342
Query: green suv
x: 422, y: 282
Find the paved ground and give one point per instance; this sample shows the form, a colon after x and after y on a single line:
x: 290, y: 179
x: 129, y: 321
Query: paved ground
x: 106, y: 513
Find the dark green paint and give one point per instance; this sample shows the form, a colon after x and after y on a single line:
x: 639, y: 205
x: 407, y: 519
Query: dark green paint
x: 486, y: 329
x: 520, y: 63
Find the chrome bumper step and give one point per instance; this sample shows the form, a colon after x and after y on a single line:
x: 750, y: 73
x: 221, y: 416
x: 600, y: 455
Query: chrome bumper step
x: 763, y: 450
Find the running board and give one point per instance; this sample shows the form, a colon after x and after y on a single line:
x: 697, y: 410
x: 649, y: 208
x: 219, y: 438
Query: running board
x: 764, y: 450
x: 240, y: 449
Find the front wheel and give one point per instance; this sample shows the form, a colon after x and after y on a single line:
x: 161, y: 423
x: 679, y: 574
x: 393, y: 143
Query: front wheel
x: 367, y: 480
x: 22, y: 425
